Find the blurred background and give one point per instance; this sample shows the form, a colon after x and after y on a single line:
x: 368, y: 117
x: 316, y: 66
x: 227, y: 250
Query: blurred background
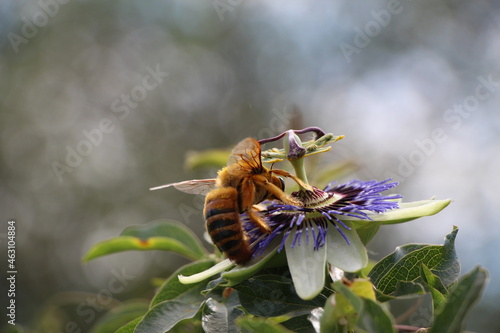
x: 101, y: 100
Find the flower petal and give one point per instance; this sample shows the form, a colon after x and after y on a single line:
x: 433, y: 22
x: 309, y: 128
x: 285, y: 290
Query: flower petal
x: 408, y: 211
x: 306, y: 265
x: 350, y: 256
x: 198, y: 277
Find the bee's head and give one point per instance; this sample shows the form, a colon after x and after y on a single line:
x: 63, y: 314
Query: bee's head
x: 278, y: 181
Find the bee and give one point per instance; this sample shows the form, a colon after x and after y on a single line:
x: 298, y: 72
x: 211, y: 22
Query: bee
x: 243, y: 183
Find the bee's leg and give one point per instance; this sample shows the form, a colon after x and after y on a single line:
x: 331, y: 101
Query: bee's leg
x: 246, y: 201
x: 278, y: 193
x: 284, y: 173
x: 253, y: 215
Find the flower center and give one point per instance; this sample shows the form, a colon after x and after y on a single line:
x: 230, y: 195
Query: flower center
x: 317, y: 199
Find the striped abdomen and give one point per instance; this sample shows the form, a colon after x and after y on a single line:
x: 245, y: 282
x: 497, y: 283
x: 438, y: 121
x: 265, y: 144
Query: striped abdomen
x: 224, y: 226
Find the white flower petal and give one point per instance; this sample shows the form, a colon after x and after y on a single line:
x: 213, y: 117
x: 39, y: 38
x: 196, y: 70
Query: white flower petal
x: 412, y: 210
x: 348, y: 257
x: 198, y: 277
x: 307, y: 266
x: 407, y: 211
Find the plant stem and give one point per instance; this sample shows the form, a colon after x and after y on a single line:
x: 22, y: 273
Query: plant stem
x: 300, y: 172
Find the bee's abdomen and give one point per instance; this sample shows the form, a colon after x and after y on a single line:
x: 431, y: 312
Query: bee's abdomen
x: 224, y: 226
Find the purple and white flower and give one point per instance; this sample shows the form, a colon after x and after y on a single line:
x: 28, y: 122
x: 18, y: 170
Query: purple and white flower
x: 315, y: 233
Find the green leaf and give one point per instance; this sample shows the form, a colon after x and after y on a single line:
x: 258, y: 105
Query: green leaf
x: 192, y: 325
x: 384, y: 266
x: 259, y: 325
x: 172, y: 288
x: 367, y: 231
x: 175, y: 301
x: 299, y: 324
x: 451, y: 316
x: 165, y: 315
x: 329, y: 320
x: 169, y: 229
x: 342, y: 309
x: 159, y: 235
x: 353, y: 308
x: 433, y: 280
x: 435, y: 287
x: 220, y: 317
x: 398, y: 274
x: 119, y: 316
x: 403, y: 289
x: 243, y: 273
x: 208, y: 158
x: 375, y: 318
x: 130, y: 326
x: 273, y: 295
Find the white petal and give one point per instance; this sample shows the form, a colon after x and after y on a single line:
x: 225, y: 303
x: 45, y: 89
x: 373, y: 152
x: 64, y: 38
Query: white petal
x: 307, y: 266
x: 198, y: 277
x: 412, y: 210
x: 407, y: 211
x: 348, y: 257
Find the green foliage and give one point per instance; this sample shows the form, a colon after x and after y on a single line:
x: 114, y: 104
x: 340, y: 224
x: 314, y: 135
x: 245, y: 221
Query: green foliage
x: 367, y: 231
x: 450, y: 315
x: 221, y: 316
x: 166, y: 315
x: 205, y: 159
x: 400, y: 273
x: 172, y: 289
x: 299, y: 324
x: 435, y: 286
x: 271, y: 296
x: 413, y: 269
x: 259, y: 325
x: 354, y: 307
x: 239, y: 274
x: 130, y: 326
x: 175, y: 301
x: 119, y: 316
x: 164, y: 235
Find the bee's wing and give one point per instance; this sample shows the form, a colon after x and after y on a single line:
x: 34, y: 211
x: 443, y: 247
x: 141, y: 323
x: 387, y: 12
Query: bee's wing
x: 195, y: 186
x: 246, y: 154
